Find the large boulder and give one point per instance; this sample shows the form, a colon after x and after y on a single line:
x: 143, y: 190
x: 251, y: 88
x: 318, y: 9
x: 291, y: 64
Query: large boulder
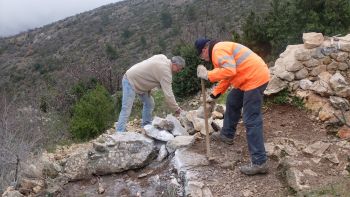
x: 110, y: 154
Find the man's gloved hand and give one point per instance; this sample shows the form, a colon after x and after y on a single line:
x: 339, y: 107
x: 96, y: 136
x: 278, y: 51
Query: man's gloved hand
x: 211, y: 98
x: 202, y: 72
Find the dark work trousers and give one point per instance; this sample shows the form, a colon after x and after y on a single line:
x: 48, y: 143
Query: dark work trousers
x: 251, y: 101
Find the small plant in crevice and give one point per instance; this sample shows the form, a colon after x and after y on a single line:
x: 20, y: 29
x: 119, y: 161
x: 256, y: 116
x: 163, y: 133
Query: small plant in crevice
x: 284, y: 97
x: 297, y: 102
x: 170, y: 191
x: 281, y: 98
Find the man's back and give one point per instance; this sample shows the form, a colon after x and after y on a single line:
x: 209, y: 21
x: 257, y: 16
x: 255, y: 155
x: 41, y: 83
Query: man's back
x: 148, y: 74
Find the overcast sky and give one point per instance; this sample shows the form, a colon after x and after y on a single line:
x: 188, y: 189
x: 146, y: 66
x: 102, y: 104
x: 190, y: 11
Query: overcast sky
x: 20, y: 15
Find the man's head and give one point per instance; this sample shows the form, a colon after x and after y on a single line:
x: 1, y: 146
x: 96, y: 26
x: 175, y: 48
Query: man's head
x: 178, y: 63
x: 202, y: 46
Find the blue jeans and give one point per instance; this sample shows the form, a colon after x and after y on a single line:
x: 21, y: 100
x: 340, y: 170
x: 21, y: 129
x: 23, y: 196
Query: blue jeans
x: 127, y: 103
x: 251, y: 101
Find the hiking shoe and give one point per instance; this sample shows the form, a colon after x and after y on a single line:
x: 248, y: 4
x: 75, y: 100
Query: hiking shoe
x: 253, y: 169
x: 218, y: 137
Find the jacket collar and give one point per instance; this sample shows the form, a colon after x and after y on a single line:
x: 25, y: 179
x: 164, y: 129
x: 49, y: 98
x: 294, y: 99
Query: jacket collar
x: 211, y: 46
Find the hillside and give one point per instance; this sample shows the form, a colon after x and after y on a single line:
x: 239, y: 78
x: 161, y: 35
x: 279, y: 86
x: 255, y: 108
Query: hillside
x: 103, y: 42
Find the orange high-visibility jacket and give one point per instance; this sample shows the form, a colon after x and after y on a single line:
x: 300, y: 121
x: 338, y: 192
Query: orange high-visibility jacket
x: 236, y: 65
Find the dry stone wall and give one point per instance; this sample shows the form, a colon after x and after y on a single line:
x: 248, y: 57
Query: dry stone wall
x: 317, y: 71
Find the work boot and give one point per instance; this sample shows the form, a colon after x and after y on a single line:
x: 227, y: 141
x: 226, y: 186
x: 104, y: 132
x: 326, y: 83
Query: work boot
x: 253, y: 169
x: 216, y: 136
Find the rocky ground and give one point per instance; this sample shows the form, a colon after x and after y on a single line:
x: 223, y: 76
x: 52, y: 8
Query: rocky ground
x: 224, y: 178
x: 324, y: 177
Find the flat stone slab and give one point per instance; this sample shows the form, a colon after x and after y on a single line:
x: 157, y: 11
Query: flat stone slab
x: 186, y: 159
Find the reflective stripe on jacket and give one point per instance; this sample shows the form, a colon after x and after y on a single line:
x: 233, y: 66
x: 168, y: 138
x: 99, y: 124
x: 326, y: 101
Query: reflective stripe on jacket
x: 236, y: 65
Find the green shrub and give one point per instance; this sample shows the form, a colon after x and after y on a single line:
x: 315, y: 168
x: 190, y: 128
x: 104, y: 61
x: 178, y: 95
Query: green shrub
x: 162, y: 44
x: 186, y: 82
x: 92, y: 114
x: 38, y: 67
x: 143, y: 42
x: 166, y: 19
x: 81, y: 88
x: 175, y: 31
x: 330, y: 17
x: 127, y: 33
x: 190, y: 13
x: 111, y: 52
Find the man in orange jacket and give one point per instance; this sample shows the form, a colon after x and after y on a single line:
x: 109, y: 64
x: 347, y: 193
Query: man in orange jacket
x: 237, y: 66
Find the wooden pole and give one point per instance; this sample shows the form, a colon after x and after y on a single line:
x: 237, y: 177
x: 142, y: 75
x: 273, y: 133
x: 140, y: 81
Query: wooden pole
x: 207, y: 140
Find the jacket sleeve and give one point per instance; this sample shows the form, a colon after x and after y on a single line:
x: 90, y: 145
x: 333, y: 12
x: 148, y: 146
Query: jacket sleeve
x: 224, y: 66
x: 221, y: 87
x: 168, y: 93
x: 224, y: 70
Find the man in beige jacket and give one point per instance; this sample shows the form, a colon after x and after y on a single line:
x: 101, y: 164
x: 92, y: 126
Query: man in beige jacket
x: 141, y: 78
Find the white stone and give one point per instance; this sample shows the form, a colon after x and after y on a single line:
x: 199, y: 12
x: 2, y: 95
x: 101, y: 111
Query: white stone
x: 305, y: 84
x: 275, y: 85
x: 187, y: 159
x: 155, y: 133
x: 179, y: 142
x: 339, y: 103
x: 317, y: 148
x: 312, y: 39
x: 178, y: 128
x: 162, y: 153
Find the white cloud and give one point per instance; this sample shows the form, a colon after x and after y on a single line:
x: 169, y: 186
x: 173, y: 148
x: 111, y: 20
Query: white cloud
x: 21, y: 15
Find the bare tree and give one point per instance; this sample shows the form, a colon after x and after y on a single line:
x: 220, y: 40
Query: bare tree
x: 101, y: 70
x: 20, y: 130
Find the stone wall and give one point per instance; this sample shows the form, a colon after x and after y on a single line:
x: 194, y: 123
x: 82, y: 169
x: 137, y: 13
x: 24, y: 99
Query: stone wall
x: 317, y: 71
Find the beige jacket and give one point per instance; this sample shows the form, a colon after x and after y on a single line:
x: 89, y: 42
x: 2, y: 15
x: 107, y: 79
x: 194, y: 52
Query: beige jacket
x: 150, y: 73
